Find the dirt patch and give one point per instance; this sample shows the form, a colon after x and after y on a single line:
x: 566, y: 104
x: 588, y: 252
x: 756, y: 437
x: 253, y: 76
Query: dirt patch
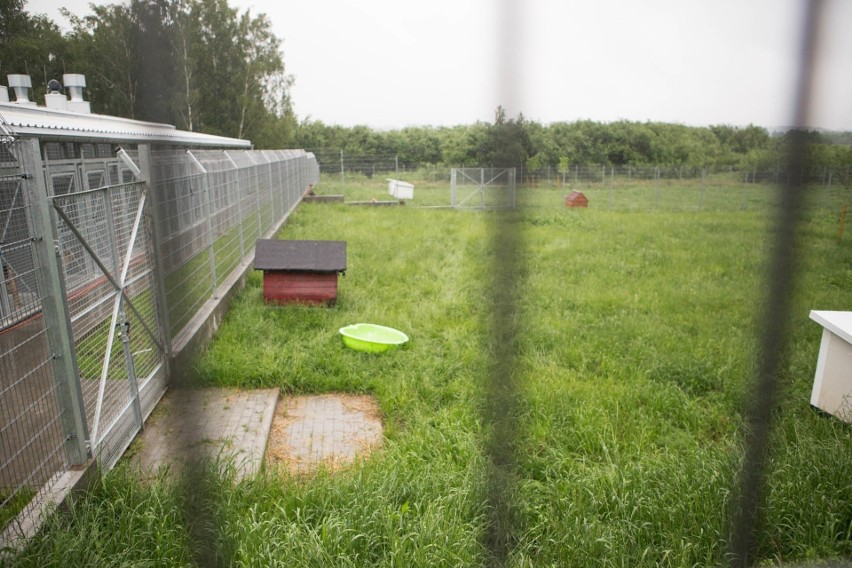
x: 328, y: 431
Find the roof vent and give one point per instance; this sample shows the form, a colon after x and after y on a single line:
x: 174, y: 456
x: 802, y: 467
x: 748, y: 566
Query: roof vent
x: 22, y: 85
x: 75, y: 83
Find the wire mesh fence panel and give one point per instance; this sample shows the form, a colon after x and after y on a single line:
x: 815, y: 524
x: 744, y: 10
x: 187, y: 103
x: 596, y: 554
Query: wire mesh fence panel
x: 32, y: 436
x: 18, y: 283
x: 214, y: 205
x: 223, y: 228
x: 185, y: 242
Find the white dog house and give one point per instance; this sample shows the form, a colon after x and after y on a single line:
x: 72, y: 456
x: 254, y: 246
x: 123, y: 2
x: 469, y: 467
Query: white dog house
x: 400, y: 189
x: 832, y: 391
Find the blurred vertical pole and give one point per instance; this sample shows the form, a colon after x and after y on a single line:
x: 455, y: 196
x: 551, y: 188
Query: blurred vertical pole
x: 776, y: 311
x: 501, y: 386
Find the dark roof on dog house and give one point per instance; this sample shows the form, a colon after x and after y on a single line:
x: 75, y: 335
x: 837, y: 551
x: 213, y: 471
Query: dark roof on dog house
x: 300, y: 256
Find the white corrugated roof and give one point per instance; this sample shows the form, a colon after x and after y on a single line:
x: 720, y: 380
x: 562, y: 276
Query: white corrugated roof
x: 45, y: 122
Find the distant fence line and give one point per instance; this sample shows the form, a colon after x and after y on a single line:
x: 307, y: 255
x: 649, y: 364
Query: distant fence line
x: 618, y: 188
x: 343, y: 164
x: 767, y: 174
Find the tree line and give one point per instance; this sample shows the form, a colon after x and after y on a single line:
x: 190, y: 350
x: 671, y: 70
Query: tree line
x: 529, y: 144
x: 198, y: 64
x: 204, y: 66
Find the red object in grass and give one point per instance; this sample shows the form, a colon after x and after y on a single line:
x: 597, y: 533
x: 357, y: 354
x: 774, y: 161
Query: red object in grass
x: 576, y: 199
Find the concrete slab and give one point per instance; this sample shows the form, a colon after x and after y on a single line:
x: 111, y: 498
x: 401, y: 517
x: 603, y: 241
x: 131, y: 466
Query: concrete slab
x: 188, y: 424
x: 323, y: 431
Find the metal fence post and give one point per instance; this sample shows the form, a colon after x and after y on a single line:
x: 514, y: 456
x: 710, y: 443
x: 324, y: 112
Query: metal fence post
x: 153, y: 229
x: 482, y: 186
x: 513, y: 184
x: 257, y: 202
x: 272, y: 215
x: 612, y: 186
x: 56, y: 316
x: 657, y: 179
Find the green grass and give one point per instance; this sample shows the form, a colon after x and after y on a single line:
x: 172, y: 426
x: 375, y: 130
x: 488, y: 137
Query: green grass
x: 636, y: 354
x: 14, y: 503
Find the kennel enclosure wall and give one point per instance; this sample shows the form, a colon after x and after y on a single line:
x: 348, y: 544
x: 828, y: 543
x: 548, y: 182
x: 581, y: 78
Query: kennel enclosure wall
x: 108, y: 257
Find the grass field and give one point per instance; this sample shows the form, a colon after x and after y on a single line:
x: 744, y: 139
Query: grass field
x: 635, y: 355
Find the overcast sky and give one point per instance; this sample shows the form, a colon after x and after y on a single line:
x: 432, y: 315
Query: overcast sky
x: 394, y: 63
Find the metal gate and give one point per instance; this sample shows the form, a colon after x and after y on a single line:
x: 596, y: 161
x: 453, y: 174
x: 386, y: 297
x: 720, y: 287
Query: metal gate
x: 106, y: 257
x: 482, y: 188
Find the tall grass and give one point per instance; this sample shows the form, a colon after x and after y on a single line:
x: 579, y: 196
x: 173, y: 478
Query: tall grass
x: 636, y: 353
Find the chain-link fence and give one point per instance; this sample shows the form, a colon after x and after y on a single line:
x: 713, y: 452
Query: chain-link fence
x: 106, y: 262
x: 774, y: 173
x: 687, y: 188
x: 613, y: 188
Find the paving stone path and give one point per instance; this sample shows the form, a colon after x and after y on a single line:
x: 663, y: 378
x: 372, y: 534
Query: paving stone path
x: 207, y: 423
x: 303, y: 433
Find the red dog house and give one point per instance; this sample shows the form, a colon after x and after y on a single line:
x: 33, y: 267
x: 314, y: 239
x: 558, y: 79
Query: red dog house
x: 576, y: 199
x: 300, y: 272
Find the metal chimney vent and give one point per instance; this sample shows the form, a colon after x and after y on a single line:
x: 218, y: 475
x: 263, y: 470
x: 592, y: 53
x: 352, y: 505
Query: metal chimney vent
x: 22, y: 85
x: 74, y: 84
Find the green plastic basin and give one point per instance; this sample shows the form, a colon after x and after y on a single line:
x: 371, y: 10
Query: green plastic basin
x: 371, y: 337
